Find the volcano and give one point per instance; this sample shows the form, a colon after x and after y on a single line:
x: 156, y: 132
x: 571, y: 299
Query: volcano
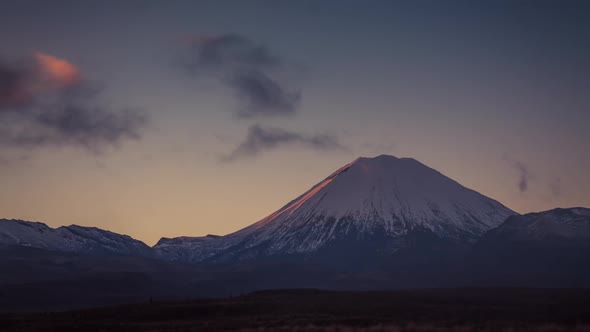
x: 369, y: 208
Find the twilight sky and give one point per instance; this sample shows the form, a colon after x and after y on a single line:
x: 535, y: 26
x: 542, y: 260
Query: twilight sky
x: 169, y: 118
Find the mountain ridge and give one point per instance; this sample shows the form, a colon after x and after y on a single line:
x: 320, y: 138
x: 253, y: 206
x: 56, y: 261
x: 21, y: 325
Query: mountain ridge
x: 73, y: 238
x: 384, y: 197
x: 373, y: 224
x: 547, y: 248
x: 367, y: 196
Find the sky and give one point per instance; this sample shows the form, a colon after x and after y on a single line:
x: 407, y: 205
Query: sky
x: 169, y: 118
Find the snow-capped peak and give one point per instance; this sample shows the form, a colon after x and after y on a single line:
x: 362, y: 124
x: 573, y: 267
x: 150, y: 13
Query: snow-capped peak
x: 380, y: 196
x: 397, y: 195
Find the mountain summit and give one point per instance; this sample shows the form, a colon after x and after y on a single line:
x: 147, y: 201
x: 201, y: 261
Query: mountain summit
x: 378, y: 200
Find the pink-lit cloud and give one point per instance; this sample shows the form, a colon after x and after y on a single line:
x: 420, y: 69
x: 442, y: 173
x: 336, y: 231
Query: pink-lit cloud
x: 58, y: 70
x: 45, y: 100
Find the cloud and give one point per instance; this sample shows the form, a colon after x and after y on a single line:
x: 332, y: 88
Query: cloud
x: 89, y: 127
x: 261, y: 139
x: 13, y: 89
x: 230, y: 51
x: 59, y: 70
x: 257, y: 76
x: 523, y: 175
x: 262, y: 95
x: 46, y: 101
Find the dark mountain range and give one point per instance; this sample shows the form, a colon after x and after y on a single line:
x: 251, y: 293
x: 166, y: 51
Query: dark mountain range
x: 550, y: 248
x: 376, y: 223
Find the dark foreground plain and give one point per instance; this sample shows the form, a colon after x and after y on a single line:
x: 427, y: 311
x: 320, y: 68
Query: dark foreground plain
x: 505, y: 309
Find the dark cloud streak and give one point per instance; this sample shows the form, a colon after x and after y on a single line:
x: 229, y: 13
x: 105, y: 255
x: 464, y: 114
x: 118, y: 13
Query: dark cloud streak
x: 252, y: 71
x: 523, y: 175
x: 88, y: 127
x: 230, y: 51
x: 261, y: 139
x: 261, y: 94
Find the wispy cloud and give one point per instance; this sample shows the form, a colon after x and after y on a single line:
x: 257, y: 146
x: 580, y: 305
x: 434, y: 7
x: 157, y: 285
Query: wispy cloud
x: 262, y: 95
x: 256, y: 75
x: 45, y: 100
x: 261, y: 139
x: 230, y: 51
x: 523, y: 176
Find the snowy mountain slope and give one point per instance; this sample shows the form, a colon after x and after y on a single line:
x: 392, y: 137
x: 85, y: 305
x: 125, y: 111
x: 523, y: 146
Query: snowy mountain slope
x: 29, y: 234
x: 184, y: 248
x: 369, y: 198
x: 92, y: 240
x: 72, y: 239
x: 571, y: 224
